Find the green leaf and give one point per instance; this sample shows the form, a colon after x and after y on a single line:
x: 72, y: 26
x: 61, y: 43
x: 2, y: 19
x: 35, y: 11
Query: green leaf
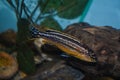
x: 48, y: 6
x: 72, y: 8
x: 51, y: 23
x: 66, y: 8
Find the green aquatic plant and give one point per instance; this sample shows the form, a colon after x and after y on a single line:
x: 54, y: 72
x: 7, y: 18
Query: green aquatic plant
x: 67, y: 9
x: 25, y: 55
x: 51, y: 23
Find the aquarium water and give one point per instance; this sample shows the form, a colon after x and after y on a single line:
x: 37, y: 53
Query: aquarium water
x: 98, y: 12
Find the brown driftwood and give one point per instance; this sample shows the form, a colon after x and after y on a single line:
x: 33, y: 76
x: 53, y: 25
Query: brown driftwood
x: 105, y: 42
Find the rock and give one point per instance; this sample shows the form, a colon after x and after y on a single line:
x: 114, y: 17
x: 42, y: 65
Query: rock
x: 104, y: 41
x: 66, y: 73
x: 8, y: 66
x: 98, y: 78
x: 55, y: 70
x: 8, y: 38
x: 20, y: 75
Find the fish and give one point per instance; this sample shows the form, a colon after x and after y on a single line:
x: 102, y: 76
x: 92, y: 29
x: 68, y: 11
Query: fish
x: 65, y: 42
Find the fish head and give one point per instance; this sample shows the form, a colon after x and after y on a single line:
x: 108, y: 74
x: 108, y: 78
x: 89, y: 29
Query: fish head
x: 90, y: 56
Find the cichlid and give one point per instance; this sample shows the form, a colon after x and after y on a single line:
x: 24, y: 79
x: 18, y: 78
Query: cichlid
x: 67, y: 43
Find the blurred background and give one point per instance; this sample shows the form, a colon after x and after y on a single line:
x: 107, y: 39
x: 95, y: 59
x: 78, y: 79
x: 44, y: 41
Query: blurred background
x: 95, y: 12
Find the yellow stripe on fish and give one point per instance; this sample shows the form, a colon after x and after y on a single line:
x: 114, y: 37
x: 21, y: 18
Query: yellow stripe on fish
x: 67, y: 43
